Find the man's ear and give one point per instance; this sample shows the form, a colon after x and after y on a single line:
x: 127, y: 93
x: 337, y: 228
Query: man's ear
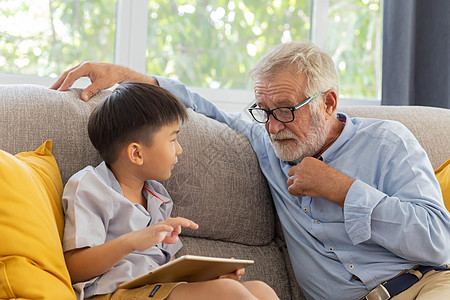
x: 134, y: 153
x: 330, y: 100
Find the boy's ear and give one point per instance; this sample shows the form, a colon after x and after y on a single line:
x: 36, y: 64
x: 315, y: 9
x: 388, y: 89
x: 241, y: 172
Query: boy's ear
x: 134, y: 153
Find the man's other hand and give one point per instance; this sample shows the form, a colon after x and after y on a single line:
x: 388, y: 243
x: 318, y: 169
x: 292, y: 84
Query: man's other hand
x: 312, y: 177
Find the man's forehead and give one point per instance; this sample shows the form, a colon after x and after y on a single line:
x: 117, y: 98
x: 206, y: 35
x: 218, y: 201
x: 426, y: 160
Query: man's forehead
x: 279, y: 97
x: 276, y: 102
x: 282, y: 90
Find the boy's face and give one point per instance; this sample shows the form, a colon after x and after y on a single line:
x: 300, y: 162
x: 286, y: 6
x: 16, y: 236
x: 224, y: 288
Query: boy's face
x: 161, y: 156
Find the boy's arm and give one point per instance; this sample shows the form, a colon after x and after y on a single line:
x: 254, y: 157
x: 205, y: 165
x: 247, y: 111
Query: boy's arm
x: 87, y: 263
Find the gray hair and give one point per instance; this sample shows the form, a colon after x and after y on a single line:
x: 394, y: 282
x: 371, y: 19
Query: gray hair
x: 310, y: 60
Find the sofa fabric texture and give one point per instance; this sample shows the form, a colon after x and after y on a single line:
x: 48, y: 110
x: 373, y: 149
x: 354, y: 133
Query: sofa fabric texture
x: 217, y: 181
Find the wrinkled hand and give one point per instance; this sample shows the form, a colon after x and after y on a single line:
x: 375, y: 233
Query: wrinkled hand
x: 162, y: 232
x: 102, y: 76
x: 312, y: 177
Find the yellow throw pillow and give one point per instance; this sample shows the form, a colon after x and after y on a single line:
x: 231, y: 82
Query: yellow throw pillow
x: 31, y: 226
x: 443, y: 176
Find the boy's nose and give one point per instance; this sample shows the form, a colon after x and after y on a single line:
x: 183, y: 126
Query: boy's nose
x: 178, y: 148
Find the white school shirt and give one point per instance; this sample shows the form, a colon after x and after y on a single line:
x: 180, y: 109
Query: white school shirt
x: 96, y: 212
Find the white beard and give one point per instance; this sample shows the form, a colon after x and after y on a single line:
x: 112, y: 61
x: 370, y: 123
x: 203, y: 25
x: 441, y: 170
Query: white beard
x: 296, y: 150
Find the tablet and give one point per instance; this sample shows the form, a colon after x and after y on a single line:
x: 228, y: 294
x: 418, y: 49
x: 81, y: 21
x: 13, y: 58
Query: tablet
x: 189, y: 268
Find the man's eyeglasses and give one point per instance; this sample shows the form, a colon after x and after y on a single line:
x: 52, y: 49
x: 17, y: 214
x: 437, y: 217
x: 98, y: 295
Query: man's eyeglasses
x: 282, y: 114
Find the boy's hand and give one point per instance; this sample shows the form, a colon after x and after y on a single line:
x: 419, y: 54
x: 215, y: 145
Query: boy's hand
x: 89, y: 262
x: 236, y: 275
x: 176, y: 224
x: 163, y: 232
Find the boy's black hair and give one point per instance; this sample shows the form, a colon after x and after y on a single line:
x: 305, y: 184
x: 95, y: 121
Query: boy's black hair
x: 133, y: 112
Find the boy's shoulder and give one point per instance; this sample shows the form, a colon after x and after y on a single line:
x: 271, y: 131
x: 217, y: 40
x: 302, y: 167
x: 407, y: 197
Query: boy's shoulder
x: 101, y: 172
x: 89, y: 179
x: 81, y: 173
x: 88, y: 173
x: 87, y: 189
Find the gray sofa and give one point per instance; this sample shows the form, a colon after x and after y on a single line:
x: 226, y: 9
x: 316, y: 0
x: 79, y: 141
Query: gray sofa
x: 217, y: 181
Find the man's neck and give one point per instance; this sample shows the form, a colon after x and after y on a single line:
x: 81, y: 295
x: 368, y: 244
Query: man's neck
x: 335, y: 131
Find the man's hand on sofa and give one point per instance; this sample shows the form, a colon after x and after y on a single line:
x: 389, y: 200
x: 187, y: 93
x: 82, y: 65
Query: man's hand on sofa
x: 102, y: 76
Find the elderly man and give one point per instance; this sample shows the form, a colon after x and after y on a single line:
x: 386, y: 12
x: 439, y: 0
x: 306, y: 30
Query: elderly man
x: 357, y: 198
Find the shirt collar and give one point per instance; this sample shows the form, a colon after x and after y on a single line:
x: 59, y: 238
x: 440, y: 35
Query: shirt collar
x: 346, y: 134
x: 107, y: 175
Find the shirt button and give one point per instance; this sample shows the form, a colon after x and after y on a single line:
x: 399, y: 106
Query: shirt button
x: 351, y: 266
x: 316, y: 221
x: 305, y: 209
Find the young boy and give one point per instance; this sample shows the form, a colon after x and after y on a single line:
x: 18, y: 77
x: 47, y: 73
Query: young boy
x: 118, y: 223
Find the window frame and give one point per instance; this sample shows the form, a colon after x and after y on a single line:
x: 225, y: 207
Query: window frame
x: 130, y: 49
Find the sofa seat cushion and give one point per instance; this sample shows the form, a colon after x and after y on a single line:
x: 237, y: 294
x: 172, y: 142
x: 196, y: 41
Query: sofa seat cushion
x: 443, y: 176
x: 32, y: 264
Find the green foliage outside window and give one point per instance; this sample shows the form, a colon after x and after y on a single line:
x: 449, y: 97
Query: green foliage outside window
x: 354, y: 41
x: 215, y: 43
x: 45, y: 37
x: 210, y: 43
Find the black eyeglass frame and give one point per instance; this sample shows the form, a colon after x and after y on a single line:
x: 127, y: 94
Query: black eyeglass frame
x: 273, y: 113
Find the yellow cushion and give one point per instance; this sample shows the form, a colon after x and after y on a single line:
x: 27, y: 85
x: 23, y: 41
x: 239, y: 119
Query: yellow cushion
x: 443, y: 176
x: 31, y: 226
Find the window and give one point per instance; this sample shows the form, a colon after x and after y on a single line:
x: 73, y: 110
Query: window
x: 44, y: 37
x: 210, y: 45
x: 354, y: 40
x: 214, y: 43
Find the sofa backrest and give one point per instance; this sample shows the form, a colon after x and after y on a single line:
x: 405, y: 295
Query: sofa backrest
x: 30, y: 114
x: 217, y: 181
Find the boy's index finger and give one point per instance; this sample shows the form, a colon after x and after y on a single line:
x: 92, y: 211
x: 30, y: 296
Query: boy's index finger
x: 192, y: 225
x: 179, y: 221
x: 189, y: 224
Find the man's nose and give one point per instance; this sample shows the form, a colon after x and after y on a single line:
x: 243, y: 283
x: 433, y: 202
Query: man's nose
x: 273, y: 126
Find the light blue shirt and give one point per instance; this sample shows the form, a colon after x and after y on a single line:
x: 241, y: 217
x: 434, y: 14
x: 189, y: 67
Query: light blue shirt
x: 393, y: 217
x: 96, y: 212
